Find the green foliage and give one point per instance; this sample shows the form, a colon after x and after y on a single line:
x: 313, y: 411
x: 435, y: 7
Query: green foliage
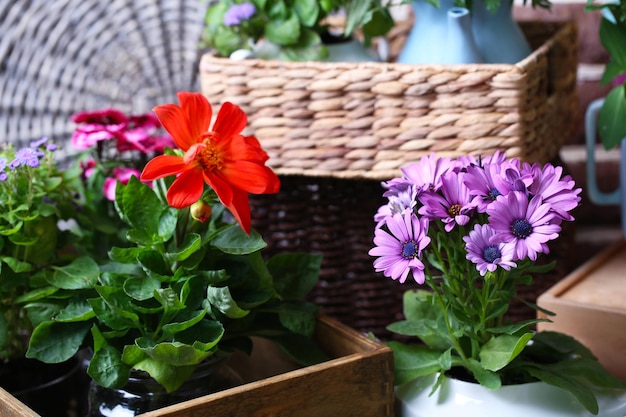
x: 293, y: 28
x: 182, y: 292
x: 611, y: 125
x: 35, y: 196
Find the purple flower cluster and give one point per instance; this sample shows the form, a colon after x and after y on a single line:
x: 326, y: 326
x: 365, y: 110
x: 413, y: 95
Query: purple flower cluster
x: 29, y: 157
x: 499, y: 211
x: 239, y: 13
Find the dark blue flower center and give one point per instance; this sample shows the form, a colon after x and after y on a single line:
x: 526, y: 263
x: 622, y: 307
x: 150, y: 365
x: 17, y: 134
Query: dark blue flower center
x: 409, y: 249
x: 491, y: 253
x: 521, y: 228
x: 493, y: 194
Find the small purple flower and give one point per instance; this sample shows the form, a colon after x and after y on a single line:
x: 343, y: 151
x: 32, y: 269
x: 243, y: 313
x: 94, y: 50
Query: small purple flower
x: 402, y: 196
x: 3, y: 166
x: 399, y: 249
x: 51, y: 147
x: 453, y: 206
x: 36, y: 144
x: 238, y: 13
x: 27, y: 157
x: 486, y: 253
x: 528, y: 225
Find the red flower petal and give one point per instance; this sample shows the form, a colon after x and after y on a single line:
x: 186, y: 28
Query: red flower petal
x: 231, y: 120
x: 162, y: 166
x: 186, y: 189
x: 198, y: 112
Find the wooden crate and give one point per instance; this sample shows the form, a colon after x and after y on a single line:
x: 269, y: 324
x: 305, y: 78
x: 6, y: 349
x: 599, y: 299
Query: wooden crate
x: 590, y: 305
x: 357, y: 381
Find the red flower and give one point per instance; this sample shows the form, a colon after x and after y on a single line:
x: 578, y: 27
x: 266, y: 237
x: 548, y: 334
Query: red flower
x: 232, y: 164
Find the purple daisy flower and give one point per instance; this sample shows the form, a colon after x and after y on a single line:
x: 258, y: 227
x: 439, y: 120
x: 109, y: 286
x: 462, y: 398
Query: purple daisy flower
x: 485, y: 252
x: 556, y: 190
x: 399, y: 247
x: 27, y: 157
x: 485, y: 184
x: 238, y: 13
x: 402, y: 196
x: 426, y: 175
x: 528, y: 225
x: 453, y: 206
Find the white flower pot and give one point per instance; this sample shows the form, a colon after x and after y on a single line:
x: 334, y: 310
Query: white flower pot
x: 460, y: 398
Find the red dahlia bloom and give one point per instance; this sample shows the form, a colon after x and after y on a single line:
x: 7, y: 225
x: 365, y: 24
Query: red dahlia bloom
x: 232, y: 164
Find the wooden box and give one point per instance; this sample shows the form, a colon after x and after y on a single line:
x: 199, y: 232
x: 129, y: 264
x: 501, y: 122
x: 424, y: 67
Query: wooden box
x: 357, y: 381
x: 590, y: 305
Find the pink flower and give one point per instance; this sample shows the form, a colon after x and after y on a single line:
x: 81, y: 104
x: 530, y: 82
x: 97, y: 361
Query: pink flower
x: 88, y: 167
x: 96, y: 126
x: 122, y: 175
x: 142, y: 135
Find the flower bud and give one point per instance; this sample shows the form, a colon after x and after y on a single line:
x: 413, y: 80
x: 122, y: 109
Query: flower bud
x: 200, y: 211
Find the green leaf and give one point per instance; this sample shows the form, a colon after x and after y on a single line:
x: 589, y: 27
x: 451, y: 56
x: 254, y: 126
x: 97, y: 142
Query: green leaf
x: 178, y: 326
x: 16, y: 265
x: 190, y: 245
x: 81, y: 273
x: 413, y: 361
x: 499, y: 351
x: 55, y: 342
x: 580, y: 390
x: 485, y: 377
x: 203, y: 336
x: 220, y: 298
x: 141, y: 288
x: 172, y: 353
x: 107, y: 368
x: 613, y: 38
x: 294, y: 274
x: 299, y: 317
x: 307, y: 11
x: 234, y: 241
x: 611, y: 118
x: 169, y: 376
x: 284, y: 31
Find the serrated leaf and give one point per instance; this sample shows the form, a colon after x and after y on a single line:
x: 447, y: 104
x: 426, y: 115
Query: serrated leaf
x: 81, y: 273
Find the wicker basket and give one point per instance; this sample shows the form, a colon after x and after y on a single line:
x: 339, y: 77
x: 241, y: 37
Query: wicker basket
x: 365, y: 120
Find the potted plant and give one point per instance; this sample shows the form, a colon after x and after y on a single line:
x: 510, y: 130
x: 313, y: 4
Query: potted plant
x: 291, y: 30
x: 36, y: 200
x: 470, y: 230
x: 191, y: 285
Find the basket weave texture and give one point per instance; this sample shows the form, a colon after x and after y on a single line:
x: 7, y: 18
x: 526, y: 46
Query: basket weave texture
x: 366, y: 120
x: 64, y: 56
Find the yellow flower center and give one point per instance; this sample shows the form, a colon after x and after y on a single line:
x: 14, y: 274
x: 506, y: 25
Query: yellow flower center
x: 210, y: 157
x: 454, y: 210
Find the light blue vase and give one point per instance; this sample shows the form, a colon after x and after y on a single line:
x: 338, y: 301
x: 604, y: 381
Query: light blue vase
x: 460, y: 47
x: 440, y: 35
x: 497, y: 35
x: 424, y: 44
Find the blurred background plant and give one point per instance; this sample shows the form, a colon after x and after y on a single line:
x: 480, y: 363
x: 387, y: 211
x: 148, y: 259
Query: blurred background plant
x: 296, y: 29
